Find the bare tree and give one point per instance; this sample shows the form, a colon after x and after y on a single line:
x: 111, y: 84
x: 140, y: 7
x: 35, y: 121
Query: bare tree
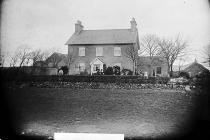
x: 131, y: 52
x: 27, y: 60
x: 149, y: 44
x: 181, y: 62
x: 2, y: 60
x: 13, y: 60
x: 46, y: 54
x: 38, y: 55
x: 69, y: 60
x: 55, y: 58
x: 4, y: 57
x: 171, y: 50
x: 22, y: 53
x: 207, y: 54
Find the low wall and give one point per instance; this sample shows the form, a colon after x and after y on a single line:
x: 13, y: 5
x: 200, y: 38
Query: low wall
x: 98, y: 85
x: 102, y: 79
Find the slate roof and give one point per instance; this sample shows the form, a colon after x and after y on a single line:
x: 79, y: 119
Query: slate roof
x: 40, y: 64
x: 176, y: 67
x: 195, y: 67
x: 58, y: 56
x: 112, y: 36
x: 145, y: 60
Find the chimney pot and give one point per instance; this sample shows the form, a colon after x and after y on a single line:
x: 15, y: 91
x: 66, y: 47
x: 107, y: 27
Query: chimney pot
x: 133, y: 24
x: 78, y: 27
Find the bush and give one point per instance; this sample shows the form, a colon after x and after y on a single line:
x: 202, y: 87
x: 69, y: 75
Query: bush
x: 17, y: 75
x: 184, y: 74
x: 14, y: 74
x: 104, y: 68
x: 65, y: 70
x: 116, y: 70
x: 202, y: 80
x: 109, y: 71
x: 127, y: 72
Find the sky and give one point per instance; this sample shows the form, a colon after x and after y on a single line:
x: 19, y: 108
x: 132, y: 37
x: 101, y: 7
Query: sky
x: 48, y: 24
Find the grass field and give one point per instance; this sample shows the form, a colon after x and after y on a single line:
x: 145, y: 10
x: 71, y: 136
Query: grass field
x: 145, y: 112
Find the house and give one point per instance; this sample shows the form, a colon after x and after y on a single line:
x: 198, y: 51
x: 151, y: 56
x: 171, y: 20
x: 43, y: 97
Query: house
x: 51, y: 65
x: 55, y: 60
x: 91, y: 49
x: 195, y: 68
x: 155, y: 66
x: 40, y: 64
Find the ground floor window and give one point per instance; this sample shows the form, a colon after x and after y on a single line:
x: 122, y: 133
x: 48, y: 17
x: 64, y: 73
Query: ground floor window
x: 158, y: 70
x: 80, y: 67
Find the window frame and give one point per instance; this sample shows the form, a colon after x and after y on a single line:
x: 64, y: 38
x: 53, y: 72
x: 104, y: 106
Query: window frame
x: 117, y: 51
x: 81, y: 51
x: 99, y: 51
x: 158, y: 70
x: 80, y: 67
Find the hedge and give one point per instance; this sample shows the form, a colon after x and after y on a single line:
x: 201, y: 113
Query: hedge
x: 19, y: 75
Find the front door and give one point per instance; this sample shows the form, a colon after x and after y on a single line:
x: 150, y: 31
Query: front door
x: 96, y: 68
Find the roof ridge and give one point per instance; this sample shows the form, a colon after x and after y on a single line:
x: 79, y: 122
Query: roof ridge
x: 105, y: 29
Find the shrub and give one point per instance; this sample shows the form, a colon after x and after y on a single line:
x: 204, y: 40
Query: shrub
x: 202, y: 80
x: 14, y: 74
x: 104, y: 68
x: 184, y: 74
x: 116, y: 70
x: 65, y: 70
x: 127, y: 72
x: 109, y: 71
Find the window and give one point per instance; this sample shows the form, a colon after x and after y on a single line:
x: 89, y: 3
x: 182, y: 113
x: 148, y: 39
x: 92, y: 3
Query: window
x: 99, y: 51
x: 158, y: 70
x: 80, y: 67
x: 117, y: 51
x: 81, y: 51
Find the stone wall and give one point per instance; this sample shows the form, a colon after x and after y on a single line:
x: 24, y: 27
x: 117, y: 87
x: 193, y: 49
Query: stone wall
x: 94, y: 85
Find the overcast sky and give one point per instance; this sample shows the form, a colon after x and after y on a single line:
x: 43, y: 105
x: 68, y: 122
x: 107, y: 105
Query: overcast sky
x: 48, y: 24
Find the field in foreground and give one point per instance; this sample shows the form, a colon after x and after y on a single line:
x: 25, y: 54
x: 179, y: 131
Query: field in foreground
x: 145, y: 112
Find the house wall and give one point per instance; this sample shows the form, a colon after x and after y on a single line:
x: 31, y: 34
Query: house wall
x: 90, y: 54
x: 61, y: 63
x: 51, y: 71
x: 194, y: 69
x: 149, y: 70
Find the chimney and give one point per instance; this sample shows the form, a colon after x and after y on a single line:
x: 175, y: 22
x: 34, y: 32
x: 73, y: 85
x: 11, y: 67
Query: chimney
x: 78, y: 27
x: 133, y: 24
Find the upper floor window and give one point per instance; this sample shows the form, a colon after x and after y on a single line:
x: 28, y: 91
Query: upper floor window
x: 117, y: 51
x: 158, y: 70
x: 99, y: 51
x: 81, y: 51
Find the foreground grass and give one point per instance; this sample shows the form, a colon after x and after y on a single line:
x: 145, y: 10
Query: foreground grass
x: 145, y: 112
